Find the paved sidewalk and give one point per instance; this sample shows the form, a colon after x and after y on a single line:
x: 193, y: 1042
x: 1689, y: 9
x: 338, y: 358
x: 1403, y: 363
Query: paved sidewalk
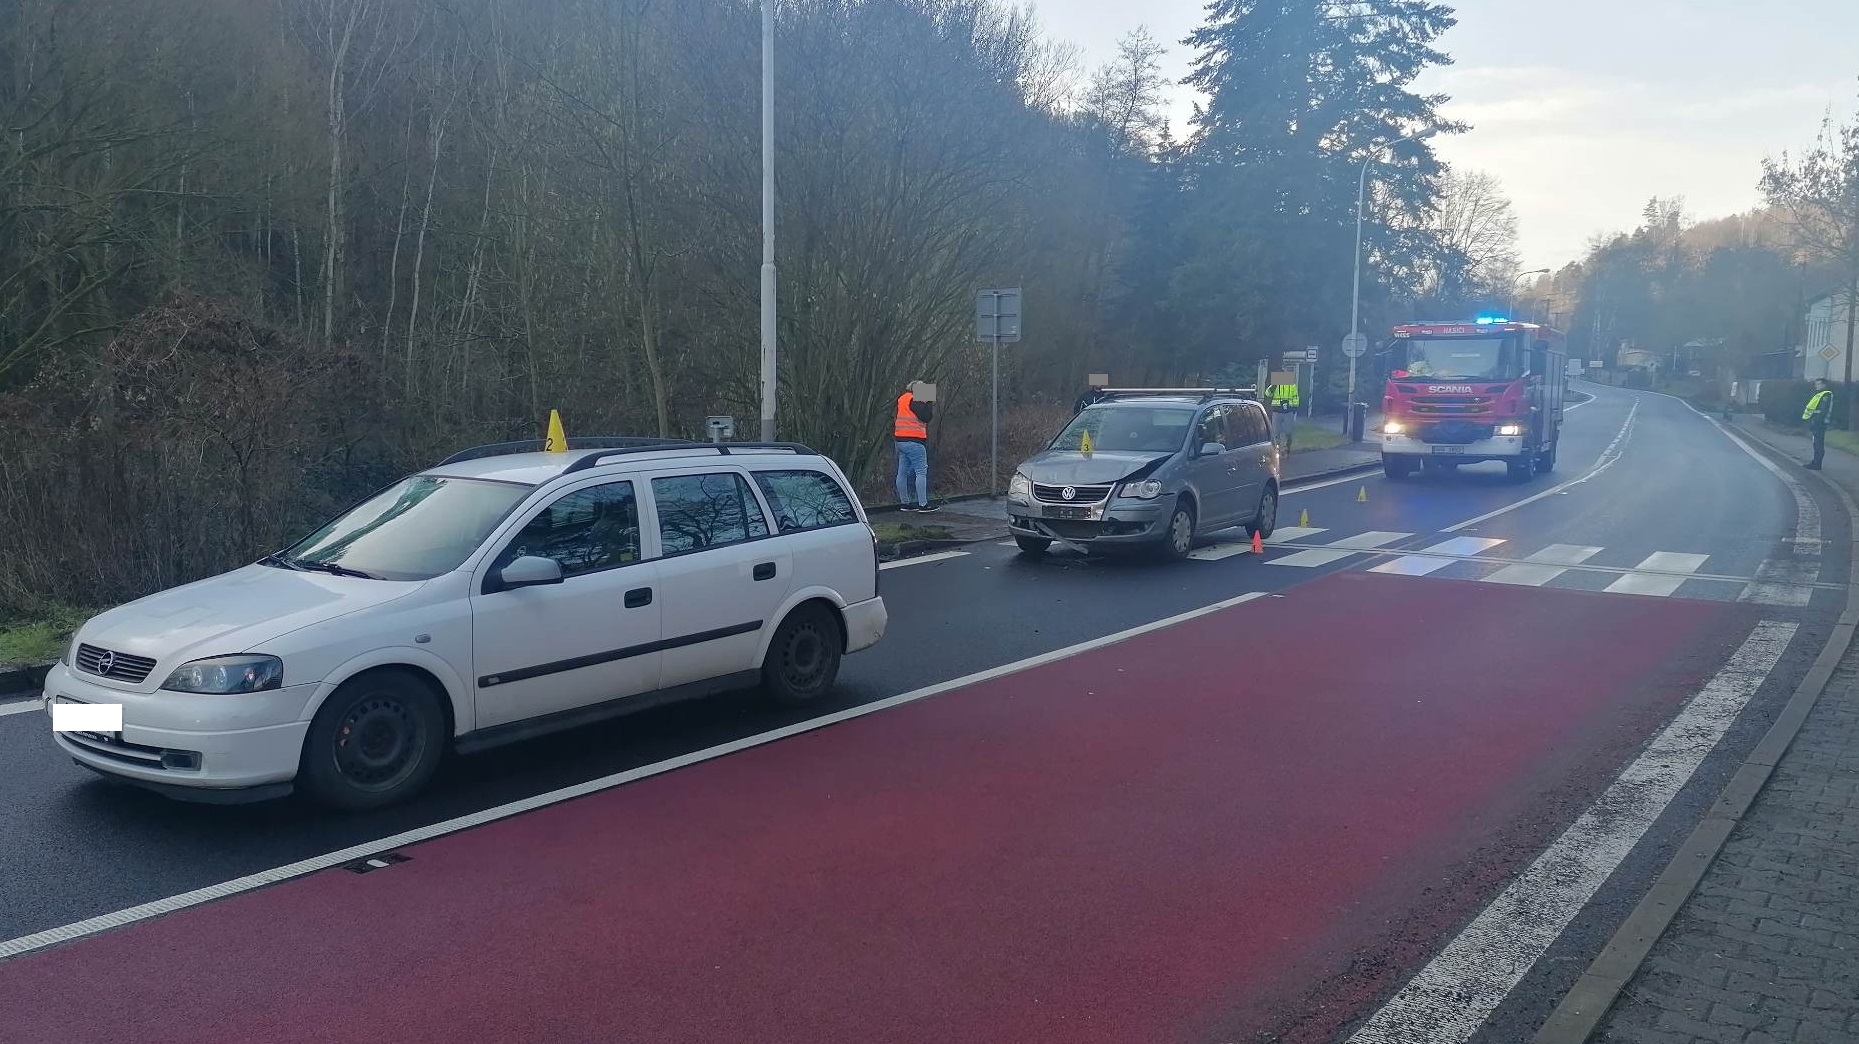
x: 1767, y: 948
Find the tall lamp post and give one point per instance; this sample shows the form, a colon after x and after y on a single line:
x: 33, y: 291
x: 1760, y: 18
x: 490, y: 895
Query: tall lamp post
x: 1355, y: 294
x: 1511, y: 305
x: 769, y: 372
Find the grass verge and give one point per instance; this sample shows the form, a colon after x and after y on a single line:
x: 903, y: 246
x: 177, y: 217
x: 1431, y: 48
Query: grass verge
x: 39, y: 641
x: 899, y: 532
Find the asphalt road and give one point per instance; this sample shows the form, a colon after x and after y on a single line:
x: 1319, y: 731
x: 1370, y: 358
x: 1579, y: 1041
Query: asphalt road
x: 1649, y: 498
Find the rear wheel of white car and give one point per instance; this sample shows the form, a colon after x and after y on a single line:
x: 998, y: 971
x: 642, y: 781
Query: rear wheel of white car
x: 803, y: 660
x: 376, y: 741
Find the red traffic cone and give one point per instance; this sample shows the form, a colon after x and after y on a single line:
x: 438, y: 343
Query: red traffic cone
x: 1258, y: 544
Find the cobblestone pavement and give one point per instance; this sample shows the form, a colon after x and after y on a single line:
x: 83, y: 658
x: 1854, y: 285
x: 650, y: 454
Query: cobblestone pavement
x: 1767, y: 949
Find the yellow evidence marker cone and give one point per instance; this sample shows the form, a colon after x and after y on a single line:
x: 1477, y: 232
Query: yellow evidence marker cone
x: 557, y: 440
x: 1362, y: 495
x: 1303, y: 519
x: 1084, y: 444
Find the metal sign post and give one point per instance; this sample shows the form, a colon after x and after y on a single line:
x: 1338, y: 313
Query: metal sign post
x: 997, y: 319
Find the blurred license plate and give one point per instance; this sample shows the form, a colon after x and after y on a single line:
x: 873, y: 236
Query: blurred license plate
x: 1449, y: 449
x: 1071, y: 512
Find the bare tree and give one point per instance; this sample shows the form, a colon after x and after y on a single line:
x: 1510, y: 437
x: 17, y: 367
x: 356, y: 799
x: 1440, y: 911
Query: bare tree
x: 1475, y: 236
x: 1127, y: 94
x: 1819, y: 192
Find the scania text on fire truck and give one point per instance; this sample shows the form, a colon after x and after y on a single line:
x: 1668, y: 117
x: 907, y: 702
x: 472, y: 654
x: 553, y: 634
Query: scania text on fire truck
x: 1464, y: 392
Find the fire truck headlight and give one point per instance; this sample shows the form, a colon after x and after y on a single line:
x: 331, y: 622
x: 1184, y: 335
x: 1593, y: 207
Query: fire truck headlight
x: 1510, y: 429
x: 1392, y: 427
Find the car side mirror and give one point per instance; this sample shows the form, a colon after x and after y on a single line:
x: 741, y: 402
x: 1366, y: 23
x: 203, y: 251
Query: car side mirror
x: 1211, y: 449
x: 530, y: 571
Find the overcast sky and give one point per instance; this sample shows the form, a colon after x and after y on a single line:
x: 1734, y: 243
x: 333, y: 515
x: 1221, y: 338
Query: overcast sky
x: 1585, y: 109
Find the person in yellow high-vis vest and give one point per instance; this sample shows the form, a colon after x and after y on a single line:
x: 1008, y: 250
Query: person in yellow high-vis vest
x: 1818, y: 413
x: 1284, y: 404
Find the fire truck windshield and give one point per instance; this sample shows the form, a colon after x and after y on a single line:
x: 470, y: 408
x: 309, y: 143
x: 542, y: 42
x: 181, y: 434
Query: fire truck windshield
x: 1480, y: 358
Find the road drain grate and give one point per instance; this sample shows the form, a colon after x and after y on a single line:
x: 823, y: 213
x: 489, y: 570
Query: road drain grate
x: 374, y: 862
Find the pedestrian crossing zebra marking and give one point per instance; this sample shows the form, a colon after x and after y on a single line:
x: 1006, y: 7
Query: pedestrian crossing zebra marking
x: 1646, y: 579
x: 1439, y: 556
x: 1337, y: 550
x: 1538, y: 569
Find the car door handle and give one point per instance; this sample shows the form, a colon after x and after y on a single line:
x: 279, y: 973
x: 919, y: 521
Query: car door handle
x: 765, y: 571
x: 638, y: 597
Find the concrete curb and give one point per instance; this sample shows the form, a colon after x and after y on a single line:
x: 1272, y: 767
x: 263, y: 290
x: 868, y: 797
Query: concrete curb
x: 22, y: 679
x: 1580, y: 1013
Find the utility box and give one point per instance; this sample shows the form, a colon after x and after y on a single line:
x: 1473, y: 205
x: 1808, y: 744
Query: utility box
x: 722, y: 429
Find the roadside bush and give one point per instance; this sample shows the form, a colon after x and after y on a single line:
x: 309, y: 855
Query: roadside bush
x: 1782, y: 402
x: 195, y: 441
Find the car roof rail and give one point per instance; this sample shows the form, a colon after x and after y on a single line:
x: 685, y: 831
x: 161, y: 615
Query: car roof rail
x: 589, y: 460
x: 1203, y: 394
x: 504, y: 449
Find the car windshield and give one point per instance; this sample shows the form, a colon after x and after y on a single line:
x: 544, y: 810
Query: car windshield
x: 1131, y: 429
x: 417, y: 529
x: 1476, y: 357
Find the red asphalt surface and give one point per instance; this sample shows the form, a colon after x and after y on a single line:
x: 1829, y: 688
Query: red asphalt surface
x: 1213, y: 831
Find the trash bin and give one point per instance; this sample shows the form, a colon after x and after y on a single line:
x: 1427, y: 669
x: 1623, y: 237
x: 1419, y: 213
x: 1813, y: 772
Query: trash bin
x: 1358, y: 419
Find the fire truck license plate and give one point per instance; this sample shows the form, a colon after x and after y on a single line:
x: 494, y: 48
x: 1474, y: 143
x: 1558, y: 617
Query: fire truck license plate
x: 1449, y: 449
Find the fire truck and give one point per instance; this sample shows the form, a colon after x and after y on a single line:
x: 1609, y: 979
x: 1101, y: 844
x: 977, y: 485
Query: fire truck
x: 1463, y: 392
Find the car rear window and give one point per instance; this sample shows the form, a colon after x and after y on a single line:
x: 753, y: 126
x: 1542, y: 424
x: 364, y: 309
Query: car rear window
x: 804, y: 500
x: 700, y: 511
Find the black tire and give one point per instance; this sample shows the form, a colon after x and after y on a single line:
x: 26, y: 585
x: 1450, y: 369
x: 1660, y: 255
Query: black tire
x: 377, y: 741
x: 1032, y: 545
x: 1523, y: 469
x: 803, y: 659
x: 1266, y: 520
x: 1396, y: 468
x: 1178, y: 537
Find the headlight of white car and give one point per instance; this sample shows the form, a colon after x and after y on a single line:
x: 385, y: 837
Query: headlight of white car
x: 1510, y: 429
x: 227, y: 675
x: 1145, y: 490
x: 1021, y: 487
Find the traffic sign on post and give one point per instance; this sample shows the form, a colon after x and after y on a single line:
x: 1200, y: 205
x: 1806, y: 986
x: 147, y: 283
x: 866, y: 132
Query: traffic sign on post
x: 997, y: 319
x: 997, y: 315
x: 1355, y: 344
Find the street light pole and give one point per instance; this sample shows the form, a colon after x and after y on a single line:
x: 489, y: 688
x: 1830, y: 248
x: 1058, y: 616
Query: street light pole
x: 769, y: 372
x: 1511, y: 305
x: 1355, y: 274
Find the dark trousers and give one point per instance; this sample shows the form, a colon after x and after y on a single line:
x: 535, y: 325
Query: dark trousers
x: 1820, y: 445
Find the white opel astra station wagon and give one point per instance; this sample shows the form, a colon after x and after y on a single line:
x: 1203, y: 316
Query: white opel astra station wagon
x: 503, y: 594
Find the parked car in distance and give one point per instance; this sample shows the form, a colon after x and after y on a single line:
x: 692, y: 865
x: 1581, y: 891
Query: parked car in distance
x: 1153, y: 468
x: 503, y: 594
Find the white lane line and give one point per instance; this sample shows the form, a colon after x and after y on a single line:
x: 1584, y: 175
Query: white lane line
x: 1423, y: 563
x: 1289, y: 533
x: 117, y: 919
x: 1337, y: 550
x: 940, y: 556
x: 1667, y: 562
x: 1608, y: 456
x: 20, y: 708
x: 1452, y: 996
x: 1782, y: 581
x: 1543, y: 566
x: 1327, y: 483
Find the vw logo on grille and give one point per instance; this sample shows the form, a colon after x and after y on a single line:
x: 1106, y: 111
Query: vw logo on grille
x: 1069, y: 492
x: 106, y: 662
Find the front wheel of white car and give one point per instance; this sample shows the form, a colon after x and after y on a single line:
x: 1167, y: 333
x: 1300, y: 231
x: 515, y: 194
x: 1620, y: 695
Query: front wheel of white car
x: 377, y: 741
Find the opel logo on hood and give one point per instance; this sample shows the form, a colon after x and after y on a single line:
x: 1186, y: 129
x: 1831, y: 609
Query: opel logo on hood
x: 106, y: 662
x: 1069, y: 492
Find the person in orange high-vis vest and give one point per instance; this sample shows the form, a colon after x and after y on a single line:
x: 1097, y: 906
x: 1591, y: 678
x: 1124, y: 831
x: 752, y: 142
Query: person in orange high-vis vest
x: 910, y: 429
